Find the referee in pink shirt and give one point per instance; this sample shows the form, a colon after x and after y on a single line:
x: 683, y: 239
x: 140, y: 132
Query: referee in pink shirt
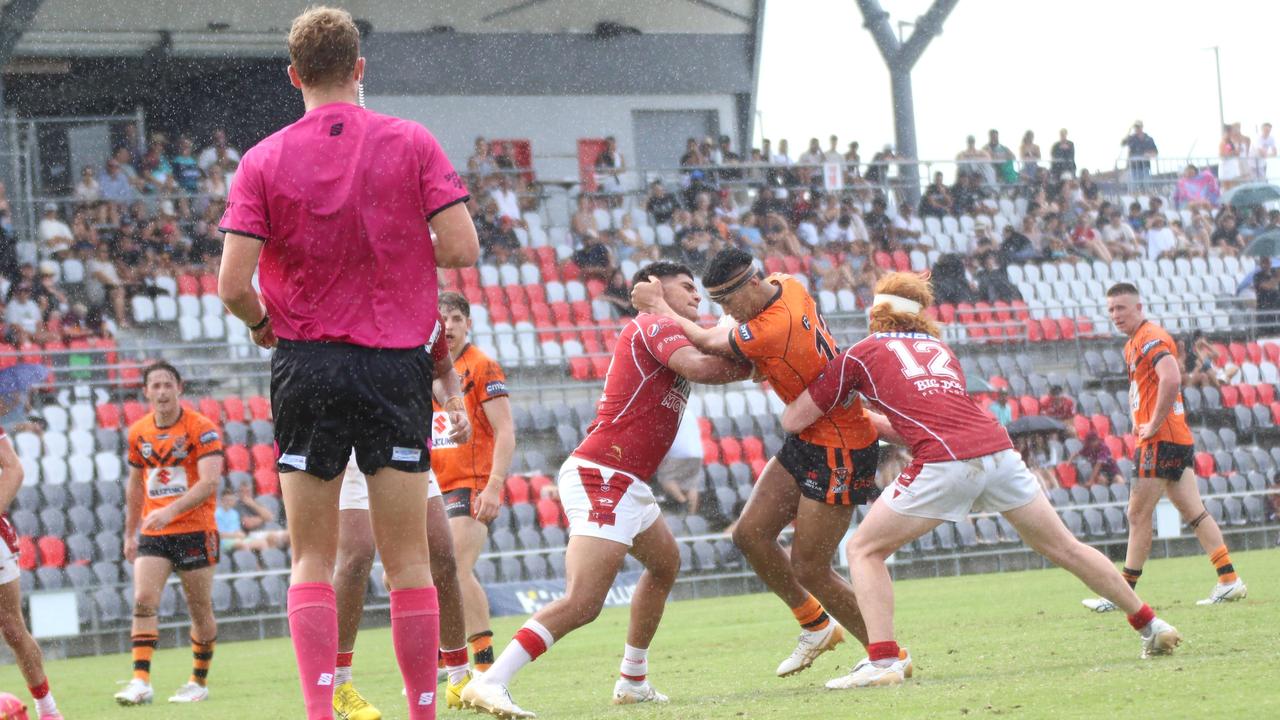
x: 336, y: 212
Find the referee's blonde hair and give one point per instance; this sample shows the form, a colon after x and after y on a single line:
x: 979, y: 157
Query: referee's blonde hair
x: 912, y: 287
x: 323, y: 46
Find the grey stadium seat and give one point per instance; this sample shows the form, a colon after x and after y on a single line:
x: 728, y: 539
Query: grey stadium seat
x: 108, y: 546
x: 1074, y: 523
x: 1093, y: 523
x: 222, y: 598
x: 50, y: 578
x: 248, y: 594
x: 25, y: 522
x: 274, y: 591
x: 503, y: 541
x: 530, y: 538
x: 110, y: 607
x: 1254, y: 510
x: 108, y: 573
x: 53, y: 522
x: 512, y: 570
x: 704, y: 555
x: 686, y: 555
x: 535, y: 567
x: 697, y: 524
x: 988, y: 532
x: 81, y: 577
x: 274, y: 559
x: 554, y: 536
x: 526, y: 516
x: 486, y: 571
x: 1115, y: 521
x: 244, y: 561
x: 55, y: 496
x: 81, y: 494
x: 966, y: 535
x: 263, y: 432
x: 946, y: 533
x: 556, y: 561
x: 80, y: 550
x: 110, y: 493
x: 82, y: 520
x: 110, y: 518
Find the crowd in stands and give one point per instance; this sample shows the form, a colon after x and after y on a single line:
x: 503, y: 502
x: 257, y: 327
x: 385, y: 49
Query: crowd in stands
x: 151, y: 210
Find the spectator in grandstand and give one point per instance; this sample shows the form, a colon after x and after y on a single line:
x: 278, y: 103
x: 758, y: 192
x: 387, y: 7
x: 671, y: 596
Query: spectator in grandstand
x: 1226, y: 236
x: 782, y: 156
x: 22, y: 312
x: 1031, y: 448
x: 936, y: 201
x: 1161, y: 242
x: 504, y: 156
x: 504, y: 194
x: 1058, y: 406
x: 1063, y: 153
x: 1197, y: 189
x: 156, y: 171
x: 696, y: 245
x: 594, y: 258
x: 629, y: 245
x: 186, y: 169
x: 1103, y: 467
x: 242, y: 531
x: 680, y: 473
x: 852, y: 160
x: 770, y: 202
x: 1198, y: 358
x: 617, y: 292
x: 812, y: 156
x: 661, y: 205
x: 993, y: 281
x: 1002, y: 159
x: 879, y: 226
x: 949, y: 281
x: 480, y: 164
x: 967, y: 194
x: 974, y: 161
x: 1029, y: 154
x: 1118, y: 236
x: 878, y: 168
x: 55, y: 236
x: 114, y: 185
x: 496, y: 234
x: 726, y: 156
x: 1016, y: 247
x: 583, y: 222
x: 1263, y: 149
x: 214, y: 183
x: 779, y: 241
x: 610, y: 167
x: 907, y: 228
x: 1142, y: 149
x: 1086, y: 241
x: 219, y: 154
x: 1000, y: 409
x: 87, y: 190
x: 1266, y: 288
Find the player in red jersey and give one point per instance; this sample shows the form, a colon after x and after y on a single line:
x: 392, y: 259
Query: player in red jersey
x: 963, y: 461
x: 611, y: 510
x: 26, y: 652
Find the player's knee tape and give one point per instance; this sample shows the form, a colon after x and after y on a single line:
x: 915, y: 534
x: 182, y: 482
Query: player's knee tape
x: 1199, y: 519
x: 142, y: 610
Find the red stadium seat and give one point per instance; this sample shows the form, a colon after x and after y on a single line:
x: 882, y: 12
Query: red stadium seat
x: 550, y: 514
x: 234, y: 408
x: 517, y: 490
x: 1067, y: 327
x: 211, y: 409
x: 470, y: 277
x: 1082, y: 425
x: 1204, y: 464
x: 53, y: 552
x: 1222, y: 355
x: 1248, y: 395
x: 537, y: 483
x: 1237, y: 352
x: 753, y: 449
x: 704, y: 428
x: 883, y: 259
x: 569, y: 271
x: 1254, y: 352
x: 537, y: 294
x: 965, y: 314
x: 1272, y: 351
x: 579, y: 368
x: 1115, y: 445
x: 237, y: 458
x: 792, y: 265
x: 449, y: 279
x: 264, y: 456
x: 997, y: 382
x: 1230, y: 396
x: 1052, y: 331
x: 1034, y: 332
x: 582, y: 313
x: 1266, y: 393
x: 494, y: 296
x: 600, y: 366
x: 133, y: 411
x: 901, y: 261
x: 1130, y: 444
x: 1101, y: 425
x: 757, y: 467
x: 595, y: 287
x: 1066, y: 474
x: 208, y: 284
x: 710, y: 452
x: 947, y: 313
x: 1084, y: 327
x: 774, y: 265
x: 27, y: 556
x: 1275, y: 411
x: 266, y: 481
x: 730, y: 450
x: 473, y: 294
x: 188, y: 285
x: 1020, y: 310
x: 109, y: 416
x: 1029, y: 405
x: 260, y: 407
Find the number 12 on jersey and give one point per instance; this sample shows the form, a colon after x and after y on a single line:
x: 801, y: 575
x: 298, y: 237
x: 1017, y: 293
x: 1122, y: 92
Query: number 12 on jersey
x: 932, y: 352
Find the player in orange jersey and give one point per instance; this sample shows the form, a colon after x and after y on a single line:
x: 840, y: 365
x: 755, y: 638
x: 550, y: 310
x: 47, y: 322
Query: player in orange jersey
x: 819, y: 475
x: 175, y: 459
x: 472, y: 474
x: 1165, y: 448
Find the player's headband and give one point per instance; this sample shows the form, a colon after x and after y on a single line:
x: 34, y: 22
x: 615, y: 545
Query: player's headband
x: 897, y: 303
x: 733, y: 285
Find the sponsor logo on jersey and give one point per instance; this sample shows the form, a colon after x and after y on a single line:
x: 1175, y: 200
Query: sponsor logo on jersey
x: 744, y: 332
x: 325, y: 679
x: 145, y: 449
x: 653, y: 330
x: 1150, y: 344
x: 399, y: 454
x: 804, y: 320
x: 496, y: 387
x: 179, y: 448
x: 615, y: 452
x: 297, y: 462
x: 426, y: 698
x: 208, y: 437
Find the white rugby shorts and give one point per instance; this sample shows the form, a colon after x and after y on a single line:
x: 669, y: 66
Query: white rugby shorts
x: 355, y: 488
x: 951, y: 490
x: 9, y: 570
x: 605, y: 503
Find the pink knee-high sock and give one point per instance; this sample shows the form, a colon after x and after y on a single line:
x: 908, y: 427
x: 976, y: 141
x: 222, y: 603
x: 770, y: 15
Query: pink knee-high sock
x: 313, y: 623
x: 415, y: 631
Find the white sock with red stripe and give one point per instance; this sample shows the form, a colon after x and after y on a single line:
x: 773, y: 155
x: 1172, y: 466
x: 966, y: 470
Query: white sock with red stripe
x: 530, y: 641
x: 635, y: 663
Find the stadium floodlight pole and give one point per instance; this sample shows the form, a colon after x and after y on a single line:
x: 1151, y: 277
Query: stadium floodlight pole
x: 900, y: 58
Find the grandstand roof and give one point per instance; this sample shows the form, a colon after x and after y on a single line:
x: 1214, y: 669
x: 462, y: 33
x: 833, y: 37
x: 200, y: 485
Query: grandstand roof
x: 253, y: 27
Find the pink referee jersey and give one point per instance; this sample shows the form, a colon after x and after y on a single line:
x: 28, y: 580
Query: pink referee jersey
x: 341, y: 200
x: 639, y: 410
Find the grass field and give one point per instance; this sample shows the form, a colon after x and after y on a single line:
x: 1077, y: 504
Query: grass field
x: 1015, y: 645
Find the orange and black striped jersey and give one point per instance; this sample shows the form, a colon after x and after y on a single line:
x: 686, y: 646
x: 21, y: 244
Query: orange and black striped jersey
x: 468, y: 465
x: 789, y: 344
x: 1146, y: 347
x: 168, y: 457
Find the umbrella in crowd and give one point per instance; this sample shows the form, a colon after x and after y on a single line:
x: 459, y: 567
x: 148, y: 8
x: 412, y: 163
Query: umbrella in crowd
x: 1034, y: 424
x: 1265, y: 244
x: 977, y: 385
x: 1251, y: 194
x: 20, y: 378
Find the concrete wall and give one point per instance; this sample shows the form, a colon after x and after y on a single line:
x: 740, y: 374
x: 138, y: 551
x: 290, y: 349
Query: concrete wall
x: 553, y: 124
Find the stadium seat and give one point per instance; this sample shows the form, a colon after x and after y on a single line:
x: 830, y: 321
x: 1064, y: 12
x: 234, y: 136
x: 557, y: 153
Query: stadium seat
x: 237, y: 458
x: 549, y: 513
x: 53, y: 551
x: 517, y: 490
x: 1066, y: 474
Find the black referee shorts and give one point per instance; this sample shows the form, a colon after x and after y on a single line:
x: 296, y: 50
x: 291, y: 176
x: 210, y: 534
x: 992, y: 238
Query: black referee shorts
x: 329, y: 398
